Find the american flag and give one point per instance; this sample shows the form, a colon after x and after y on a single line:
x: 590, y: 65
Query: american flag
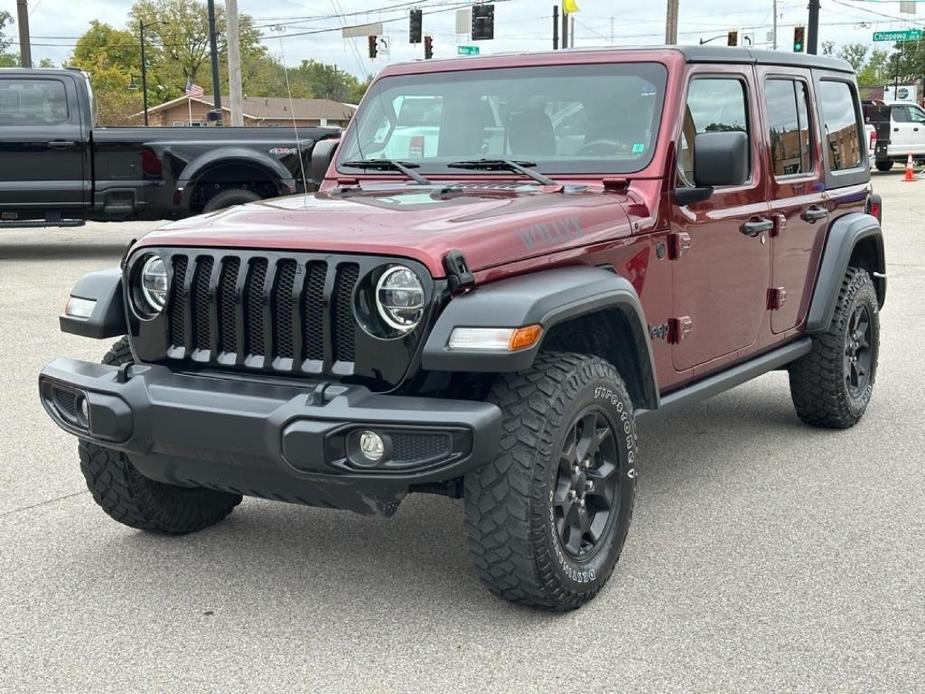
x: 193, y: 90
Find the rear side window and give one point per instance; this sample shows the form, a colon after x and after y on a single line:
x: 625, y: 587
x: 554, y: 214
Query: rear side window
x: 32, y: 102
x: 713, y: 105
x: 840, y: 120
x: 788, y: 120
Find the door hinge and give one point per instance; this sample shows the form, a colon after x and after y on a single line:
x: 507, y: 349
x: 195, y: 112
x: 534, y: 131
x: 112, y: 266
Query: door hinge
x: 679, y: 243
x: 777, y: 296
x: 780, y: 224
x: 679, y: 328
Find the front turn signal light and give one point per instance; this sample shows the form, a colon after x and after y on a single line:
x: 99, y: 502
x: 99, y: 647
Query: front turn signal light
x: 495, y: 339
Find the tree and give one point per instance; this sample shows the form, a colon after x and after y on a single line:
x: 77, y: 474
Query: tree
x: 875, y: 71
x: 855, y: 54
x: 828, y: 48
x: 6, y: 59
x: 179, y: 33
x: 111, y: 58
x: 323, y: 81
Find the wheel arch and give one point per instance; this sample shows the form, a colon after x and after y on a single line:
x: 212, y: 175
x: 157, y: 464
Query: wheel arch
x: 590, y: 307
x: 854, y: 240
x: 206, y: 166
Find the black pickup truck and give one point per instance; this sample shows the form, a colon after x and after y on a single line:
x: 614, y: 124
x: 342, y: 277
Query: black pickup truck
x: 56, y: 168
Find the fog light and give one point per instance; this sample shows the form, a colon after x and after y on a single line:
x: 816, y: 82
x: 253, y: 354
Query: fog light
x: 372, y: 446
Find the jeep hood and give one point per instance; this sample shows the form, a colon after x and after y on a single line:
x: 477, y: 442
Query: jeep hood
x: 491, y: 225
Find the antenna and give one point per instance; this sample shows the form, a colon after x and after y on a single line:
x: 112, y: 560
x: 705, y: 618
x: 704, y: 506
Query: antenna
x: 295, y: 127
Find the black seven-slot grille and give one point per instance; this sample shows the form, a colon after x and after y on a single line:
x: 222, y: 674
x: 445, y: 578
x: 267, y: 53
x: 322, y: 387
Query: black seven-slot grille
x: 262, y: 311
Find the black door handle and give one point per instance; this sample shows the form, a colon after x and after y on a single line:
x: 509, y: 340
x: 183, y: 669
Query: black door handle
x: 915, y: 130
x: 814, y: 214
x: 61, y: 144
x: 755, y: 227
x: 895, y: 130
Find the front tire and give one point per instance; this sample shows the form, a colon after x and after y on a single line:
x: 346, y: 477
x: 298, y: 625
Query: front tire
x: 832, y: 385
x: 138, y: 502
x: 547, y: 519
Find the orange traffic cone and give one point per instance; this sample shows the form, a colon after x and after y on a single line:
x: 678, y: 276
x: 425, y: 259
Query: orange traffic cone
x: 909, y: 176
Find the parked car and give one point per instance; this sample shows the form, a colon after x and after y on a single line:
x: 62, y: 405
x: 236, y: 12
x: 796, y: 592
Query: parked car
x: 490, y: 319
x: 900, y: 132
x: 57, y: 167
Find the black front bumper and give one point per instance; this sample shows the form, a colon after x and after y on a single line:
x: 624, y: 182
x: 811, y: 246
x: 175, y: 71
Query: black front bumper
x: 288, y: 442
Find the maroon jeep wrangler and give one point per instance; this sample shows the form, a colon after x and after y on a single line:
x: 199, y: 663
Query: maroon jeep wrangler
x: 512, y: 259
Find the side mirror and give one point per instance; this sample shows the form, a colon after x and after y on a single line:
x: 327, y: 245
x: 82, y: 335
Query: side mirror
x: 721, y: 159
x: 322, y: 156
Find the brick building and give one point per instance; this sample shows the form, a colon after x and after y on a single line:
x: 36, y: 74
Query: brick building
x: 269, y: 111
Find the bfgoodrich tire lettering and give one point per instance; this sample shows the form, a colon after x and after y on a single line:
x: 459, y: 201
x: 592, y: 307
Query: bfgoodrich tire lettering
x: 511, y: 509
x: 832, y: 385
x: 138, y: 502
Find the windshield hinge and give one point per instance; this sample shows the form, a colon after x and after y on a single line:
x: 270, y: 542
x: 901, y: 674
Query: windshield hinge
x: 616, y: 185
x: 457, y: 271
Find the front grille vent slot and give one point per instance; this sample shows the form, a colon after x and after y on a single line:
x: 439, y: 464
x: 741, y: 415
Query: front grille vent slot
x: 263, y: 312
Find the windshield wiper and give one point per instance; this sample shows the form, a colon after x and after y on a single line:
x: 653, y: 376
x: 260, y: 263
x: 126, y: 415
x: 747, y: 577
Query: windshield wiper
x: 504, y: 165
x: 404, y: 167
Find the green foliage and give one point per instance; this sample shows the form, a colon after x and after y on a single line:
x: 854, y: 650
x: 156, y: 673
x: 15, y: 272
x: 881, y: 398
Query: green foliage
x: 855, y: 54
x: 6, y: 40
x: 111, y: 57
x: 876, y: 70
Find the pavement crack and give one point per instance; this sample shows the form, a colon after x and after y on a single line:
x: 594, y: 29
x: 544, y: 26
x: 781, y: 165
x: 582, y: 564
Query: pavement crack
x: 42, y: 503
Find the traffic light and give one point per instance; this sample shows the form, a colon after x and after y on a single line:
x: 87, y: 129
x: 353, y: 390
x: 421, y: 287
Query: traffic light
x: 428, y: 47
x: 373, y: 46
x: 799, y: 39
x: 416, y: 26
x: 483, y: 22
x: 732, y: 39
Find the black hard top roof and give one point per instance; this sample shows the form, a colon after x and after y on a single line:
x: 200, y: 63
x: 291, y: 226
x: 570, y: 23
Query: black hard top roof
x: 725, y: 54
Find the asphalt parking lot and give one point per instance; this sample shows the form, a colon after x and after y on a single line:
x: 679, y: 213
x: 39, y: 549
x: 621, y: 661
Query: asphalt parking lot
x: 764, y: 555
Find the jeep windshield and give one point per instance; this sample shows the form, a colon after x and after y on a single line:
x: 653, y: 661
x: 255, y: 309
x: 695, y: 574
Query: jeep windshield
x: 566, y: 119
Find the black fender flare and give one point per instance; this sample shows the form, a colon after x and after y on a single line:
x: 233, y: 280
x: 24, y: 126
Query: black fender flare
x: 547, y: 298
x: 108, y: 316
x: 189, y: 177
x: 845, y: 233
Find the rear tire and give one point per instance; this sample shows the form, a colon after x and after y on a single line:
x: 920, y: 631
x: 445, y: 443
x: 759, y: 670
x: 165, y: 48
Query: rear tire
x: 138, y: 502
x: 884, y: 166
x: 832, y: 385
x: 230, y: 198
x: 547, y: 519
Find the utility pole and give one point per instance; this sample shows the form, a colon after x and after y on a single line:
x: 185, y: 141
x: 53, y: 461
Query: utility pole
x: 564, y: 29
x: 144, y: 70
x: 213, y: 47
x: 671, y: 23
x: 774, y: 30
x: 812, y: 28
x: 555, y: 27
x: 25, y: 47
x: 234, y: 63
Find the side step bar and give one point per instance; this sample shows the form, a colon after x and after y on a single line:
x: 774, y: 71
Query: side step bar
x: 40, y: 223
x: 721, y: 382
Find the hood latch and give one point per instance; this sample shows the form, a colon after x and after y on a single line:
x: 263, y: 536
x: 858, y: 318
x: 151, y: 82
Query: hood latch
x: 457, y: 271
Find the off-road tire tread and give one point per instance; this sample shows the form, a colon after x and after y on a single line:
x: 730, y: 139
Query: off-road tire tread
x: 132, y: 499
x: 816, y: 380
x: 505, y: 541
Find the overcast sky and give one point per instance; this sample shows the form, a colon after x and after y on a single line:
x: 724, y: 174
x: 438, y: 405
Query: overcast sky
x: 520, y: 25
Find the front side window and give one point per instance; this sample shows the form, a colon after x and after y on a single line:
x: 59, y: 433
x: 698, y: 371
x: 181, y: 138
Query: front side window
x: 565, y: 119
x: 840, y: 122
x: 713, y: 105
x: 788, y: 121
x: 32, y: 102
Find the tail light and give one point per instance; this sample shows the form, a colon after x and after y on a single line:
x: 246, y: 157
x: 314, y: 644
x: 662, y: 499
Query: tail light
x: 872, y: 144
x: 875, y: 207
x: 416, y: 147
x: 150, y: 163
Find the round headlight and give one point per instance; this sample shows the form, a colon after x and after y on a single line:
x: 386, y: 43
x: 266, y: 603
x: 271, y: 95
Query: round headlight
x: 400, y: 298
x: 154, y: 283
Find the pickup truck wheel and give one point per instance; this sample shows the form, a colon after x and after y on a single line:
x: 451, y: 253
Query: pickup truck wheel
x: 134, y: 500
x: 229, y: 198
x: 831, y: 386
x: 884, y: 166
x: 547, y: 519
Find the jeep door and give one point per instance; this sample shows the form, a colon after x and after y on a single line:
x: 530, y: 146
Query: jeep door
x: 798, y: 201
x: 720, y: 282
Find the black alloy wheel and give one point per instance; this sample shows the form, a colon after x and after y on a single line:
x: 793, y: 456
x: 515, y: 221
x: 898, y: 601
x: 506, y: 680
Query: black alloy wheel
x: 587, y: 485
x: 858, y: 352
